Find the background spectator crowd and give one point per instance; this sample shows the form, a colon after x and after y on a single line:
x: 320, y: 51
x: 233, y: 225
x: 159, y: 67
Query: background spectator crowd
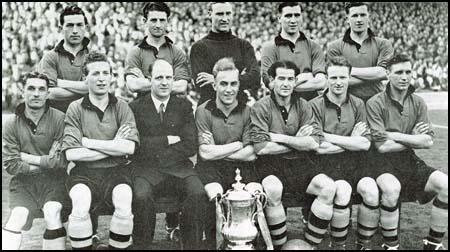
x: 29, y: 29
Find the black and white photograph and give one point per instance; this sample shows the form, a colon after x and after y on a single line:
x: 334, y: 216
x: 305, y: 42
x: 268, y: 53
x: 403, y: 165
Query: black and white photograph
x: 225, y: 125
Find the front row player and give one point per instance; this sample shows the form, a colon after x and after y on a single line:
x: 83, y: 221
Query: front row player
x: 99, y: 132
x: 342, y: 118
x: 399, y: 123
x: 31, y: 153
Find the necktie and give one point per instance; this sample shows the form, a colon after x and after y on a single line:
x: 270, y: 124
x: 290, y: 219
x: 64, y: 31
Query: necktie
x: 161, y: 112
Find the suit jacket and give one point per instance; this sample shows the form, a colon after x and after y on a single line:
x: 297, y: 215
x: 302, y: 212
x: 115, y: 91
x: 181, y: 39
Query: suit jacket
x: 155, y: 158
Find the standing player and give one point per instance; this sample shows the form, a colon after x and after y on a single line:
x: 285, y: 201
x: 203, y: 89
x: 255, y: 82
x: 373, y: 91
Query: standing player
x: 100, y: 132
x: 218, y: 44
x: 367, y: 53
x: 31, y: 153
x: 399, y: 123
x: 293, y: 45
x: 156, y: 45
x: 168, y: 137
x: 223, y: 126
x: 283, y: 131
x: 63, y: 65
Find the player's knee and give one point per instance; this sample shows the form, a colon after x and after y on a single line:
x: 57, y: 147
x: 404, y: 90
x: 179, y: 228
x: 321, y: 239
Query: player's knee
x: 254, y: 188
x: 368, y: 189
x: 273, y: 188
x: 343, y: 192
x: 324, y: 187
x: 438, y: 181
x: 213, y: 189
x: 122, y: 196
x: 52, y: 211
x: 81, y: 199
x: 17, y: 219
x: 390, y: 189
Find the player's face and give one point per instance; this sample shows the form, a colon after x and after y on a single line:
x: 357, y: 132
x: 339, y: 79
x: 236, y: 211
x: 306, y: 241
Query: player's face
x: 157, y: 23
x: 338, y: 77
x: 221, y: 17
x: 162, y: 80
x: 290, y: 19
x: 400, y: 75
x: 74, y: 29
x: 35, y: 93
x: 98, y: 78
x: 284, y: 82
x: 358, y: 18
x: 227, y: 86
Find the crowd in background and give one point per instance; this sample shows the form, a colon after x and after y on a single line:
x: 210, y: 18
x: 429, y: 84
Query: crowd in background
x: 29, y: 29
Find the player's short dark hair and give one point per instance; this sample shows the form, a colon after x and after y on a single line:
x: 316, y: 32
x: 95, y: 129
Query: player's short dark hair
x: 349, y: 5
x: 95, y: 57
x: 224, y: 64
x: 210, y: 5
x: 72, y: 10
x: 282, y: 64
x: 398, y: 58
x: 35, y: 75
x: 338, y: 61
x: 286, y: 4
x: 155, y: 6
x: 150, y: 68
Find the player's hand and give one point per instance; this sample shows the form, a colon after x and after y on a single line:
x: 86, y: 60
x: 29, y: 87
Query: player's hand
x: 305, y: 130
x: 173, y: 139
x: 137, y: 72
x: 85, y: 142
x: 204, y: 79
x: 276, y: 138
x: 208, y: 137
x: 24, y: 156
x: 421, y: 128
x: 123, y: 132
x: 359, y: 129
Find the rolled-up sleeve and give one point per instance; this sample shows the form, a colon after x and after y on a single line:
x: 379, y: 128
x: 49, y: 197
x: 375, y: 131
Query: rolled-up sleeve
x: 72, y: 128
x: 259, y: 129
x: 361, y: 116
x: 307, y: 117
x: 268, y: 57
x: 376, y: 122
x: 180, y: 66
x: 47, y: 66
x: 203, y: 124
x: 385, y: 54
x: 11, y: 160
x: 317, y: 59
x: 423, y: 115
x: 126, y: 117
x: 55, y: 158
x: 132, y: 61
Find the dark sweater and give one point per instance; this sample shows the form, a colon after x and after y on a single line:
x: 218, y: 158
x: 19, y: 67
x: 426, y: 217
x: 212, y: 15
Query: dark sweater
x: 207, y: 51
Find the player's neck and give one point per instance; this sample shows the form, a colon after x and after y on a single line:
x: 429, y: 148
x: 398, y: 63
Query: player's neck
x: 155, y: 41
x: 398, y: 95
x: 100, y: 101
x: 73, y: 49
x: 336, y: 99
x: 283, y: 101
x: 226, y: 109
x: 359, y: 37
x: 34, y: 114
x: 291, y: 37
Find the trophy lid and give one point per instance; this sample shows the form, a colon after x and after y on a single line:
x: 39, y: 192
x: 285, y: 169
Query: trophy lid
x: 238, y: 192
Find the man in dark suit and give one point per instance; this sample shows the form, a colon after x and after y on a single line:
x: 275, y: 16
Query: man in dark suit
x: 168, y: 139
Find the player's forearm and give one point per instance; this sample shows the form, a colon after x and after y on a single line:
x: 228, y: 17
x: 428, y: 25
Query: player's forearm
x: 31, y: 159
x: 78, y: 87
x: 217, y: 152
x: 246, y: 154
x: 135, y: 84
x: 115, y: 147
x: 179, y: 87
x: 14, y: 166
x: 317, y: 83
x: 329, y: 148
x: 376, y: 73
x: 422, y: 141
x: 84, y: 154
x: 60, y: 94
x: 300, y: 143
x: 353, y: 81
x: 352, y: 143
x: 391, y: 146
x: 270, y: 148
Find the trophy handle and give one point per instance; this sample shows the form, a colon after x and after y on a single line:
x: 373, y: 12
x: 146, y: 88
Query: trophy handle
x: 220, y: 222
x: 265, y: 232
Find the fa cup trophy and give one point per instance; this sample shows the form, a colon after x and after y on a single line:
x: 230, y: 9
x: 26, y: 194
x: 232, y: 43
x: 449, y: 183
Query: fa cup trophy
x: 237, y: 212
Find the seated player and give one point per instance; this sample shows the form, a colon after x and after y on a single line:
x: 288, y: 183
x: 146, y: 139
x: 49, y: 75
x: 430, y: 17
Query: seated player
x: 32, y: 154
x: 399, y: 124
x: 100, y: 131
x: 283, y: 130
x: 342, y: 118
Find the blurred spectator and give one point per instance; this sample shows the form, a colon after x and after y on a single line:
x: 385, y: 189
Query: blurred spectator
x: 30, y: 28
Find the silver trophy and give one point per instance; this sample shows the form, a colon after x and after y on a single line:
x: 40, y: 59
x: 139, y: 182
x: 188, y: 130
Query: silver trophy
x: 237, y: 212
